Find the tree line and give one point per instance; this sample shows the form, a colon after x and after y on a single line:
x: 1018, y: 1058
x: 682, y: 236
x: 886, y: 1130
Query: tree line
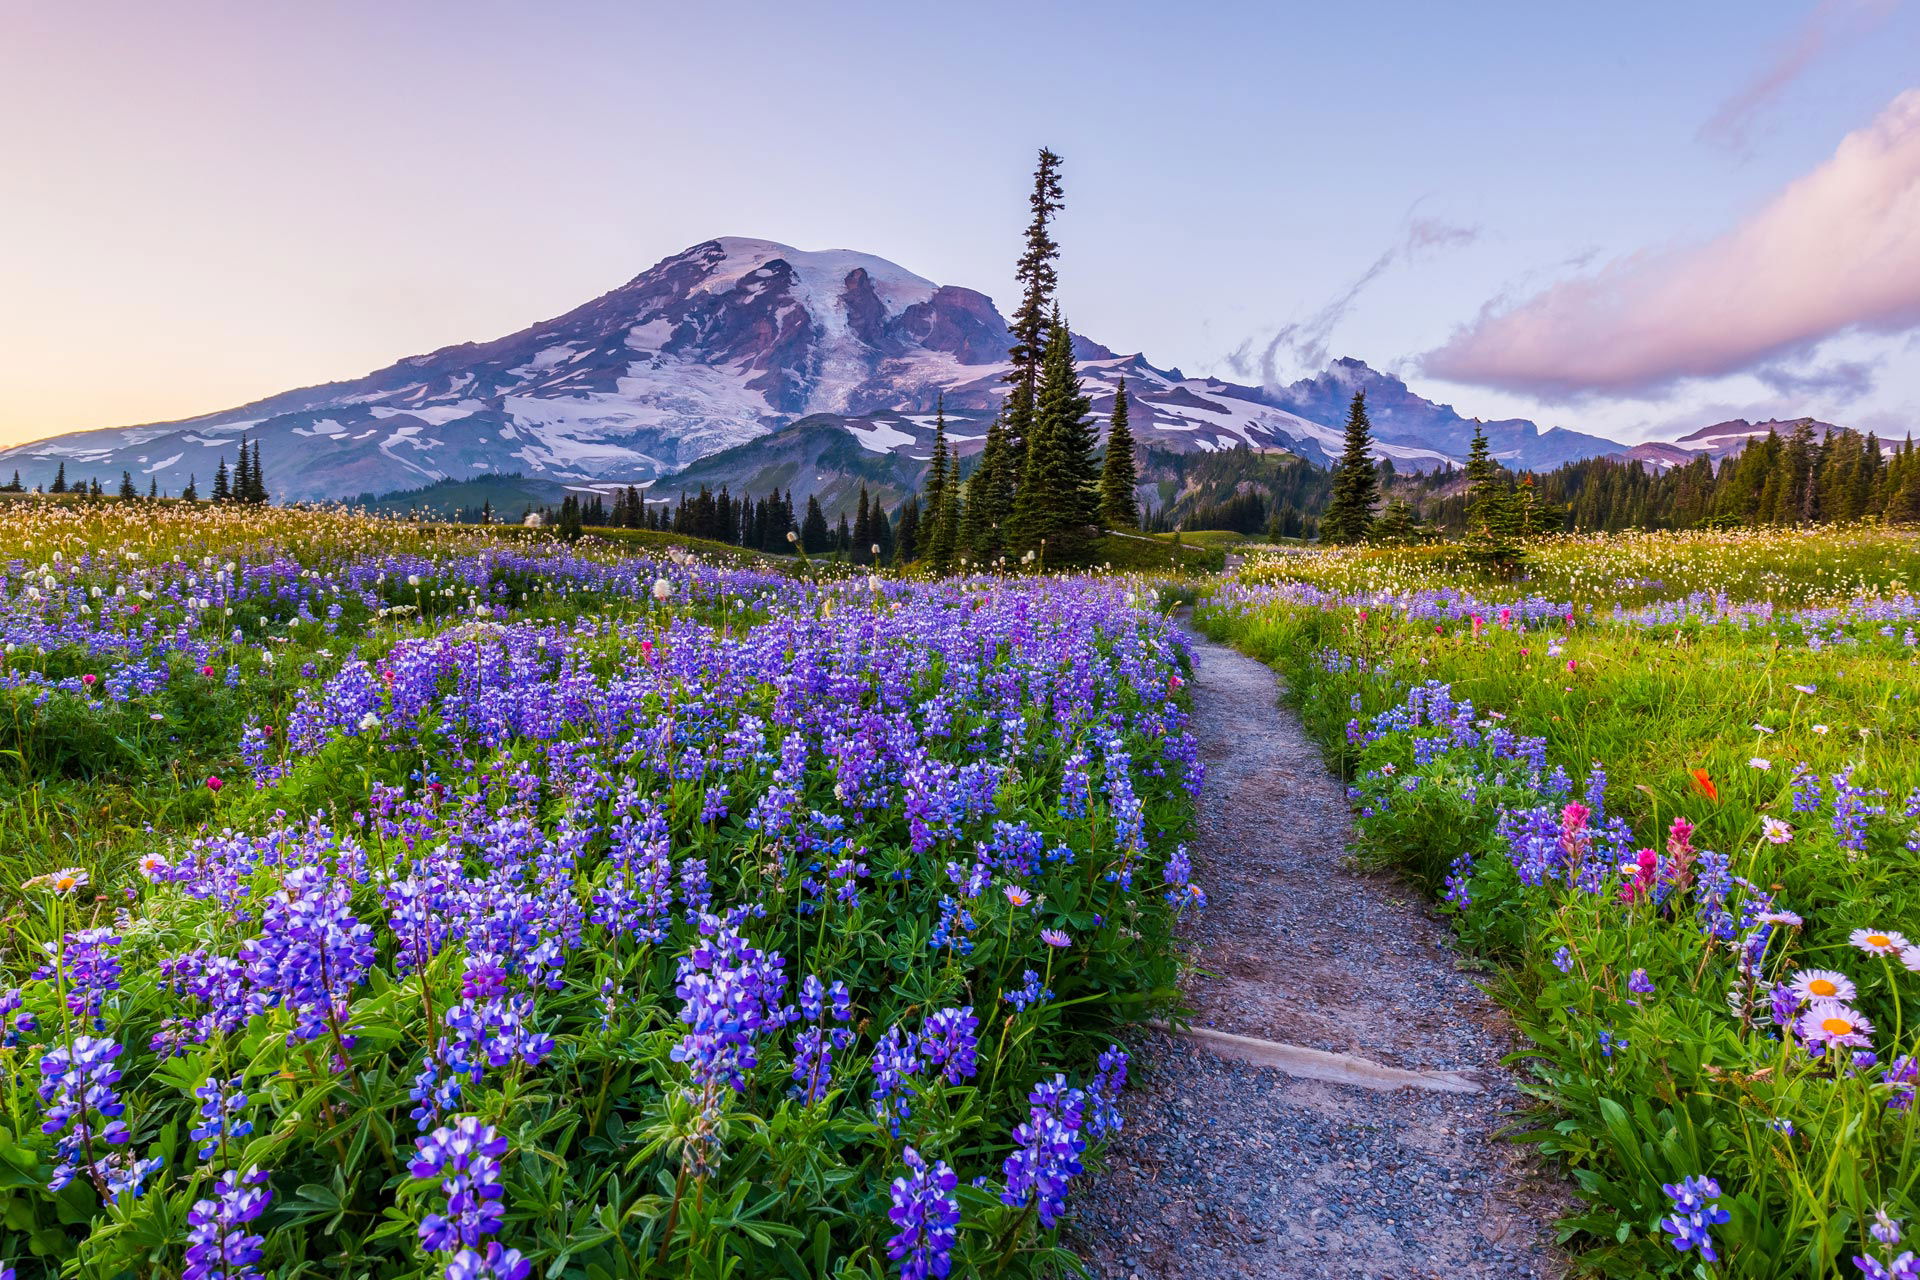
x: 246, y: 483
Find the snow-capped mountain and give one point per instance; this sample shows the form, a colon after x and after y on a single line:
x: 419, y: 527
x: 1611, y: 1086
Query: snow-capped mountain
x: 717, y: 347
x: 1720, y: 440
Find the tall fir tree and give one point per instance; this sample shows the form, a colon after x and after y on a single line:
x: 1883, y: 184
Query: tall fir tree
x: 863, y: 536
x: 1356, y: 484
x: 942, y: 482
x: 815, y: 536
x: 1038, y: 280
x: 192, y: 492
x: 1057, y: 504
x: 59, y: 480
x: 1491, y: 533
x: 243, y: 474
x: 222, y: 486
x: 257, y: 477
x: 906, y: 531
x: 127, y: 491
x: 989, y: 498
x: 1119, y: 507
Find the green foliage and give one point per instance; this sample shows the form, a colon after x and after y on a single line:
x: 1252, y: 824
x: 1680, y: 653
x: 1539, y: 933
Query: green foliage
x: 1356, y: 485
x: 1119, y: 509
x: 1692, y: 718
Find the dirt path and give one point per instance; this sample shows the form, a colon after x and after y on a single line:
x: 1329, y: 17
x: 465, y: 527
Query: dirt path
x: 1319, y: 1166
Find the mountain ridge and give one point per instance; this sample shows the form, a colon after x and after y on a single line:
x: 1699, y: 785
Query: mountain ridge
x: 727, y: 343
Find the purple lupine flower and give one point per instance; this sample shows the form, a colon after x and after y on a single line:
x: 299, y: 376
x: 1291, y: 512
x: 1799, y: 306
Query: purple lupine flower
x: 1639, y: 983
x: 895, y: 1062
x: 1032, y: 993
x: 732, y: 993
x: 218, y: 1246
x: 91, y: 969
x: 1103, y: 1092
x: 1695, y: 1214
x: 1046, y: 1155
x: 813, y: 1051
x: 949, y: 1039
x: 928, y: 1215
x: 495, y: 1262
x: 465, y: 1157
x: 219, y: 1102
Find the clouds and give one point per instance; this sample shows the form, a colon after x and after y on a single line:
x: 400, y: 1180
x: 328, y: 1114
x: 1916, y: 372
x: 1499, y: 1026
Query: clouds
x: 1304, y: 342
x: 1836, y: 251
x: 1831, y: 21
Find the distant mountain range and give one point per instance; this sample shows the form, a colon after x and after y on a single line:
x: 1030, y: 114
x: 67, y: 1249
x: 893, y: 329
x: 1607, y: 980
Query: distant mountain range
x: 753, y: 364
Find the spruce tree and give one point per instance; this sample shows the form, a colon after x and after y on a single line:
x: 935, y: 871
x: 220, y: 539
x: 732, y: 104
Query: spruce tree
x: 242, y: 490
x: 906, y: 532
x: 1038, y: 279
x: 59, y: 480
x: 863, y: 535
x: 153, y: 488
x: 127, y: 491
x: 257, y: 477
x: 1490, y: 507
x: 815, y: 537
x: 1119, y: 509
x: 191, y: 493
x: 942, y: 480
x: 1356, y: 485
x: 989, y: 493
x: 222, y: 487
x: 1057, y: 504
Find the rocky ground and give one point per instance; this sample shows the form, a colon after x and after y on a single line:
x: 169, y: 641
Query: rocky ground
x: 1226, y: 1168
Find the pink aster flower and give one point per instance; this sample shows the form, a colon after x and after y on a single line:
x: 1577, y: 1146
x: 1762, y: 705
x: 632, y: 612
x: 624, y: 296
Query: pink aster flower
x: 1876, y: 943
x: 1835, y: 1026
x: 1821, y: 984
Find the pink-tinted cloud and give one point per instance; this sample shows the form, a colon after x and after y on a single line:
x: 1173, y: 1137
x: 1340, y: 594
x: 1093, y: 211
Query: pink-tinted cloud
x: 1830, y: 22
x: 1837, y: 251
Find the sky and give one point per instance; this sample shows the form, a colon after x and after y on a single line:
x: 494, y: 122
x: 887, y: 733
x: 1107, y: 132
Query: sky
x: 1634, y: 219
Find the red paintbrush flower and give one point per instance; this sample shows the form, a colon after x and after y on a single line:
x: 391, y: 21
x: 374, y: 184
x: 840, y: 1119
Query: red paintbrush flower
x: 1704, y: 785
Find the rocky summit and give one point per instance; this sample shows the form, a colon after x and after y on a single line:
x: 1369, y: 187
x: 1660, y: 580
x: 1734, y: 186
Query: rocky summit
x: 722, y: 346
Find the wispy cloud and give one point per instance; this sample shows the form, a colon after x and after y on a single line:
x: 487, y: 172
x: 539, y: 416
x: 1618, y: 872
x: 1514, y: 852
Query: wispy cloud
x: 1836, y: 251
x: 1302, y: 344
x: 1839, y: 383
x: 1830, y: 23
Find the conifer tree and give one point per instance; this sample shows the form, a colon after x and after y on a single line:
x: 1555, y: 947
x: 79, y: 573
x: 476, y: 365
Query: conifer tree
x: 127, y: 491
x: 1490, y: 514
x: 989, y: 497
x: 1038, y: 279
x: 906, y: 532
x: 59, y: 480
x: 815, y: 537
x: 222, y: 487
x: 863, y: 535
x: 259, y: 476
x: 242, y: 483
x: 192, y: 492
x: 153, y: 488
x: 1057, y: 504
x: 1119, y: 508
x: 1356, y: 485
x: 942, y: 480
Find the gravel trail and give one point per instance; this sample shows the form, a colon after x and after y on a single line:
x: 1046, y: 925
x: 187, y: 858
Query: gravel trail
x: 1226, y: 1169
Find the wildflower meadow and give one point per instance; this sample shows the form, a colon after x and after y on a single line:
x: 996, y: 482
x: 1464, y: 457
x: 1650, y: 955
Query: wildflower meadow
x: 1669, y: 787
x: 407, y: 902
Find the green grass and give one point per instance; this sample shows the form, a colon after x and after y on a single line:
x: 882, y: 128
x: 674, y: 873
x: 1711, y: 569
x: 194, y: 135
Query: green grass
x: 1699, y: 721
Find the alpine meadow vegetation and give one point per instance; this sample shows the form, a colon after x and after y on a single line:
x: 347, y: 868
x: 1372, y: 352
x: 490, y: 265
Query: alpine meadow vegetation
x: 1669, y: 786
x: 419, y: 901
